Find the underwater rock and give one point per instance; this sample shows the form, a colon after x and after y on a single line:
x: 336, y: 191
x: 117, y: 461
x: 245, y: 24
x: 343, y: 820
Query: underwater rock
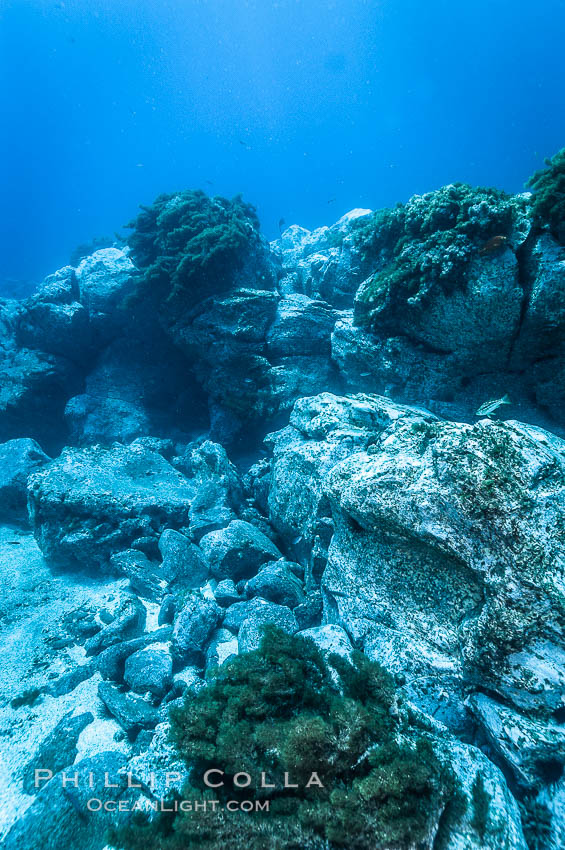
x: 158, y: 767
x: 59, y: 817
x: 322, y: 431
x: 533, y: 750
x: 301, y: 327
x: 167, y: 610
x: 217, y: 491
x: 237, y: 551
x: 104, y: 420
x: 415, y: 499
x: 329, y: 639
x: 188, y: 679
x: 309, y: 613
x: 193, y: 626
x: 129, y: 620
x: 90, y: 503
x: 226, y: 594
x: 276, y: 582
x: 226, y: 340
x: 325, y: 263
x: 145, y: 578
x: 490, y: 817
x: 104, y: 279
x: 18, y: 459
x: 236, y: 615
x: 538, y: 351
x: 111, y: 662
x: 132, y: 712
x: 183, y: 561
x: 54, y: 321
x: 223, y: 645
x: 258, y: 614
x: 128, y: 394
x: 149, y: 669
x: 58, y: 750
x: 35, y: 388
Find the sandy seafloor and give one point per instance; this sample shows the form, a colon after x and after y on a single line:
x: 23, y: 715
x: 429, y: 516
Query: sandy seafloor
x: 33, y: 599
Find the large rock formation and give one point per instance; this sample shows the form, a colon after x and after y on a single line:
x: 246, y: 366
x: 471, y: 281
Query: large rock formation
x: 448, y: 546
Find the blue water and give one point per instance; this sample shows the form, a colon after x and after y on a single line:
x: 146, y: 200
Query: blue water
x: 307, y: 107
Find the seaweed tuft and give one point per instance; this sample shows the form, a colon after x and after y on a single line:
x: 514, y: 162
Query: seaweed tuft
x: 277, y: 711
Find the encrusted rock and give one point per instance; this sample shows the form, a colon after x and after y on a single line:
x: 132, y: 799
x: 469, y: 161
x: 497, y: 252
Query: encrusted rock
x: 158, y: 770
x: 237, y: 551
x: 188, y: 679
x: 193, y: 626
x: 276, y: 582
x: 533, y: 750
x: 226, y: 593
x: 415, y: 499
x: 132, y: 712
x: 104, y: 278
x: 149, y: 670
x: 59, y: 815
x: 258, y: 614
x: 329, y: 639
x: 167, y: 610
x: 111, y: 662
x: 145, y: 578
x: 182, y: 560
x: 235, y: 616
x: 90, y: 503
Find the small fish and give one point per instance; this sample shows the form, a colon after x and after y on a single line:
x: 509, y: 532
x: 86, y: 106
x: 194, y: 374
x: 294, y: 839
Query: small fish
x: 282, y: 223
x: 488, y: 408
x: 14, y: 542
x: 331, y: 201
x: 139, y: 165
x: 245, y: 145
x: 365, y: 374
x: 493, y: 244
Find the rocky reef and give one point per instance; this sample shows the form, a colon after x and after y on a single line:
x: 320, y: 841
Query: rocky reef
x: 252, y: 519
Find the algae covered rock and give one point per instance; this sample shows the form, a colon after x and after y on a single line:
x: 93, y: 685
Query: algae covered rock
x: 90, y: 503
x: 189, y: 246
x: 367, y: 771
x: 425, y: 250
x: 548, y: 204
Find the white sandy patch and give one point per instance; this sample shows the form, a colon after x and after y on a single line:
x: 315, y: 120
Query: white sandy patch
x: 33, y: 600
